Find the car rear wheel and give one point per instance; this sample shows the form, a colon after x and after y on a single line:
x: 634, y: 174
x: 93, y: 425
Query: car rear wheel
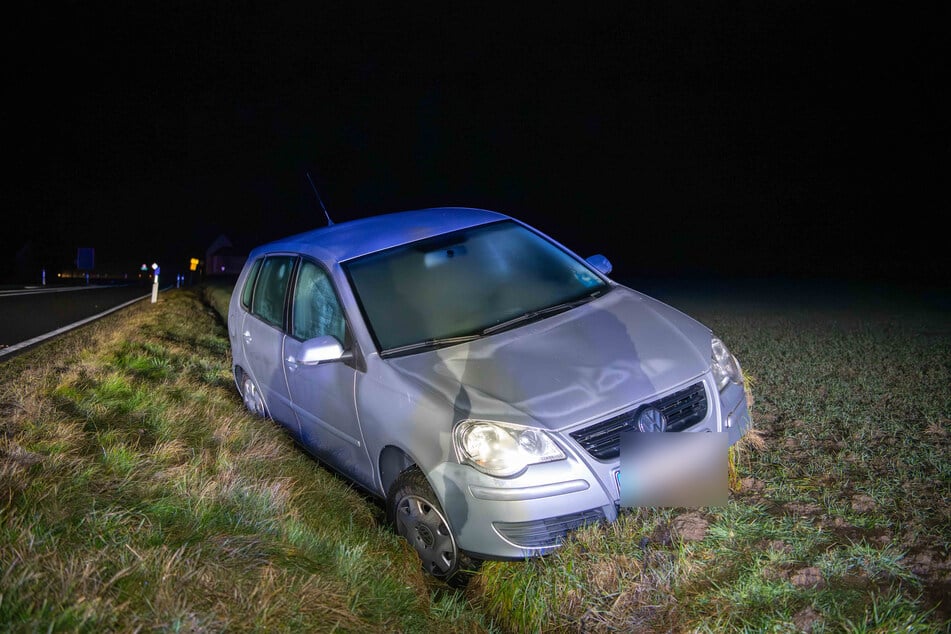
x: 252, y: 396
x: 417, y: 516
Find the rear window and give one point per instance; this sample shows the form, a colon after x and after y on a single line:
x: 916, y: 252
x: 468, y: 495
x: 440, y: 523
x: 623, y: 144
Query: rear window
x: 249, y: 284
x: 270, y: 291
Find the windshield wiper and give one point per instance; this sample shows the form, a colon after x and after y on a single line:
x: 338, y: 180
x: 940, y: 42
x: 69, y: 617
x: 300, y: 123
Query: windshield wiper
x: 541, y: 312
x: 428, y: 344
x: 441, y: 342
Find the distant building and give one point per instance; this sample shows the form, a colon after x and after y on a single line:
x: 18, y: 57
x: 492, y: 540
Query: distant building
x: 223, y: 258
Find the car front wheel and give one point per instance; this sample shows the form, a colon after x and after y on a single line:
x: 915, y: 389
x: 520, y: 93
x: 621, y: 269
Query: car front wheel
x: 417, y: 516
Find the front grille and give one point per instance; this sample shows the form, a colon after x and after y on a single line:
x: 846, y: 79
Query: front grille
x: 683, y: 409
x: 546, y: 532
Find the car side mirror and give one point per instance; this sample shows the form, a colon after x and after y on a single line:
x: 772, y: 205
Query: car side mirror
x: 323, y: 348
x: 601, y: 263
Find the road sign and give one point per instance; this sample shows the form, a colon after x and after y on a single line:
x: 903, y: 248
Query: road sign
x: 85, y: 258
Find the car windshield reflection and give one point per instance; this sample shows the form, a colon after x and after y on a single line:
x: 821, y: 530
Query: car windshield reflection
x: 465, y: 283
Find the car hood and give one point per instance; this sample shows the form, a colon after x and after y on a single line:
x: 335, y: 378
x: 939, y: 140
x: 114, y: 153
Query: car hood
x: 598, y: 358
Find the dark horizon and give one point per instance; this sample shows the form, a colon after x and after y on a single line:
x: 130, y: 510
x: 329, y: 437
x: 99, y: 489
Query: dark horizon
x: 795, y: 140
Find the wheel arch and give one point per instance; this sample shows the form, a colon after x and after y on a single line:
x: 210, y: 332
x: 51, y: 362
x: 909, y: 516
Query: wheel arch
x: 239, y: 375
x: 393, y: 462
x: 237, y: 372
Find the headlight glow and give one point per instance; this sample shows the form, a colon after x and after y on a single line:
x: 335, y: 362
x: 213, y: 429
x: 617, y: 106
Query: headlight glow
x: 725, y: 366
x: 502, y: 449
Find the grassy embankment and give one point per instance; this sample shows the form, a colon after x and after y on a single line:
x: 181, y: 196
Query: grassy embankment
x: 135, y: 493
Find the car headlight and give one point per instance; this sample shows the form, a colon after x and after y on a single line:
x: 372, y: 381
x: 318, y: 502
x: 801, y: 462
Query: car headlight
x: 725, y: 366
x: 502, y: 449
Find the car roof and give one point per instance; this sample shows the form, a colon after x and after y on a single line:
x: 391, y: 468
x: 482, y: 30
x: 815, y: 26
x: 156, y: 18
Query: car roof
x: 347, y: 240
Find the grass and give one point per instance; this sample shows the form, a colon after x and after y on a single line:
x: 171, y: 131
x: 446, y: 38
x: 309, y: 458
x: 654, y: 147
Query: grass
x: 839, y: 520
x: 136, y: 494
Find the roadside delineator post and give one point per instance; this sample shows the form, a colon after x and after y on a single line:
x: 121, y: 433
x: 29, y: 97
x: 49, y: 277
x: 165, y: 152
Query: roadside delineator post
x: 155, y: 269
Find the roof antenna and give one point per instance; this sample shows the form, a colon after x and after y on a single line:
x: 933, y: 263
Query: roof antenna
x: 329, y: 221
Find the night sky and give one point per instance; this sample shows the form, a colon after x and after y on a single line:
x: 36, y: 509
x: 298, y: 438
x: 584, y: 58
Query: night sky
x: 751, y: 138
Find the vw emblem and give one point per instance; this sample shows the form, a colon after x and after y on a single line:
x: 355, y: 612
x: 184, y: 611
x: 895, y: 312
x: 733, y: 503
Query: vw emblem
x: 651, y: 419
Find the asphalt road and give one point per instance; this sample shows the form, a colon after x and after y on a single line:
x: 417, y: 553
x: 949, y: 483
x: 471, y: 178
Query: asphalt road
x: 33, y: 314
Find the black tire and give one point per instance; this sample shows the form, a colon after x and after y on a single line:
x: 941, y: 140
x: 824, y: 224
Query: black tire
x: 251, y: 395
x: 416, y: 515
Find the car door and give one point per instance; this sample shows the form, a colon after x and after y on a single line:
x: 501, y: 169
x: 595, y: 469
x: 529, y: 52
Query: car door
x: 323, y: 393
x: 262, y: 336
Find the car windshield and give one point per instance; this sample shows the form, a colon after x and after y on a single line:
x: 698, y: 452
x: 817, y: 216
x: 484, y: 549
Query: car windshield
x: 460, y: 285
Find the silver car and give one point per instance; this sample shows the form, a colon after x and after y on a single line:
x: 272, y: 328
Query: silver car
x: 471, y: 372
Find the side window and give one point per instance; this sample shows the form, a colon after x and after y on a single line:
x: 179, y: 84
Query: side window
x: 271, y: 289
x: 249, y: 284
x: 317, y: 311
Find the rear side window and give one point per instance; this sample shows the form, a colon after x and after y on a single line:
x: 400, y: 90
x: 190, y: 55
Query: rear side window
x: 267, y: 301
x: 249, y: 284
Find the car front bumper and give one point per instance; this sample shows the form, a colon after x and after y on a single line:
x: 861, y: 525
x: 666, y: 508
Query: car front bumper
x: 530, y: 515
